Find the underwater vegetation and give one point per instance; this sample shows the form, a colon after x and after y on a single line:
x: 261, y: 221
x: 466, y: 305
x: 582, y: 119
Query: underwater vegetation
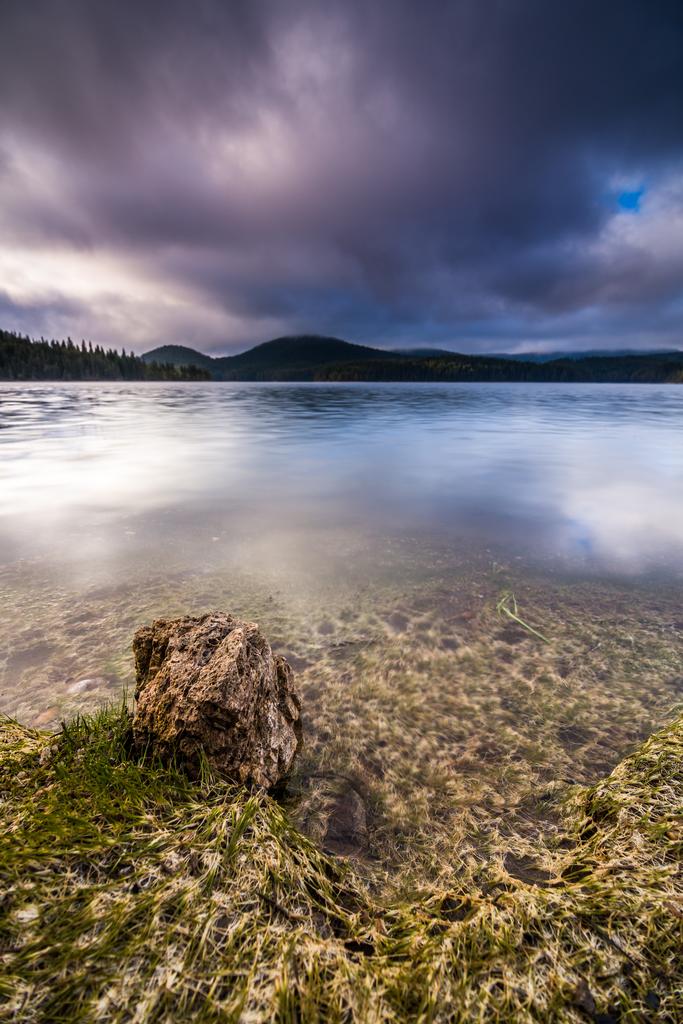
x: 455, y: 845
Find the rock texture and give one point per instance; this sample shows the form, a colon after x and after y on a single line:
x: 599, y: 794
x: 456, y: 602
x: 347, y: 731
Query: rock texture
x: 211, y: 686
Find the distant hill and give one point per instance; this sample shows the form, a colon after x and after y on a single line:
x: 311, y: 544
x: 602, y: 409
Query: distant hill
x: 458, y: 367
x: 296, y: 357
x: 24, y: 359
x: 317, y: 358
x: 178, y: 355
x: 598, y: 353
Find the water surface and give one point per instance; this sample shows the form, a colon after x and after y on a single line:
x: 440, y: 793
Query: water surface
x: 589, y: 474
x: 371, y: 529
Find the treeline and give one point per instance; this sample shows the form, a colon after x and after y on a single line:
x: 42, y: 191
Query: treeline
x: 24, y: 359
x: 640, y: 369
x: 284, y: 359
x: 312, y: 357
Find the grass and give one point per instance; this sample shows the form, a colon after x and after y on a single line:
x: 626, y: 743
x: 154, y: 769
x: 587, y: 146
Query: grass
x: 507, y: 608
x: 131, y: 894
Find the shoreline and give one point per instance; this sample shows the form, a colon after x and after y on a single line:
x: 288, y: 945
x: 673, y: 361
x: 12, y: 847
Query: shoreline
x: 167, y: 898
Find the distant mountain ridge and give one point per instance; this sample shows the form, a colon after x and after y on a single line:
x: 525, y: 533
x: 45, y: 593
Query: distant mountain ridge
x: 597, y: 353
x: 286, y: 357
x: 313, y: 357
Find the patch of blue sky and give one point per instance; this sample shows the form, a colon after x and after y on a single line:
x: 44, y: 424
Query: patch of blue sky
x: 629, y: 200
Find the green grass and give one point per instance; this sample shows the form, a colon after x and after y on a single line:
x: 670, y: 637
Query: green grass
x: 507, y: 608
x: 132, y: 894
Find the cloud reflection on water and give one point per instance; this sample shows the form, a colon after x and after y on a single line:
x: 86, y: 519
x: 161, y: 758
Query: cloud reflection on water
x: 276, y: 473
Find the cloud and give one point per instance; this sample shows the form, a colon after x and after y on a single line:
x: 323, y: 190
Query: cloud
x: 218, y: 173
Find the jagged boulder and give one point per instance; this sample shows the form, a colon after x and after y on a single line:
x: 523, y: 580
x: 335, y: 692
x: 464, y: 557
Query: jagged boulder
x: 210, y: 686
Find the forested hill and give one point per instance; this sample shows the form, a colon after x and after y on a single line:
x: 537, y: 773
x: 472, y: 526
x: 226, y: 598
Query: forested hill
x: 640, y: 369
x: 23, y: 359
x: 296, y: 357
x: 314, y: 358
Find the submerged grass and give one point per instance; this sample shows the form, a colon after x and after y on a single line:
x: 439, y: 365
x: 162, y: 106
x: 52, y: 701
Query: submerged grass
x: 132, y: 894
x: 507, y: 607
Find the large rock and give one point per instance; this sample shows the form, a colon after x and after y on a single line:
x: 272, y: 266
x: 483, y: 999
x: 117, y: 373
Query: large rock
x: 211, y: 686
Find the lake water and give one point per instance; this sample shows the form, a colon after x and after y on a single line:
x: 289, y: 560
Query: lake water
x: 372, y: 530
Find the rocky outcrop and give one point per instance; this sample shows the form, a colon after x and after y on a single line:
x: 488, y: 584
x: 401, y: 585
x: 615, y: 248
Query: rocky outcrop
x: 211, y: 687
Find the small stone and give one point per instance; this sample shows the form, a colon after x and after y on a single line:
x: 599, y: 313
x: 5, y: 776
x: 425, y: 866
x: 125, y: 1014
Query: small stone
x: 211, y: 687
x: 45, y: 717
x: 86, y: 685
x: 27, y: 914
x: 45, y: 756
x: 583, y: 997
x: 347, y: 825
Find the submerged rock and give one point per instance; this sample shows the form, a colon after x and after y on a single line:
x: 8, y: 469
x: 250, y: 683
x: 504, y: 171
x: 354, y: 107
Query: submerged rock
x: 211, y: 687
x: 334, y: 814
x: 347, y: 825
x: 87, y: 685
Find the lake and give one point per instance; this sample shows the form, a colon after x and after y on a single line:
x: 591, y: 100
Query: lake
x: 382, y: 535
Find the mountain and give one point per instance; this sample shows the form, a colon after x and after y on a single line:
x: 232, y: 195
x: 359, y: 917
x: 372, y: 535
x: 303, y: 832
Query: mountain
x: 178, y: 355
x: 315, y: 358
x: 295, y: 357
x: 298, y: 357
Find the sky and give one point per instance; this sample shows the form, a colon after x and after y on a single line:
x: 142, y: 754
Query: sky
x: 478, y: 175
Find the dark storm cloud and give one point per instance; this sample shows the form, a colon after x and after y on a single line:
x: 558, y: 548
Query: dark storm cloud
x: 217, y: 172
